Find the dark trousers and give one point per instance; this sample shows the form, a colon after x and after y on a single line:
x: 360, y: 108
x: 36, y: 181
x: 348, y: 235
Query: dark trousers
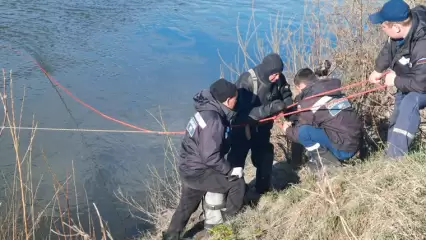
x: 262, y: 153
x: 404, y: 122
x: 193, y: 190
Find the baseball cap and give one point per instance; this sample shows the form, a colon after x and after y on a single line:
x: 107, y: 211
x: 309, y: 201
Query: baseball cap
x: 392, y: 11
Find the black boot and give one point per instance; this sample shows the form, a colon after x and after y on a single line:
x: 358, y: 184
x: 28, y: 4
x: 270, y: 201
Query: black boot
x: 322, y: 158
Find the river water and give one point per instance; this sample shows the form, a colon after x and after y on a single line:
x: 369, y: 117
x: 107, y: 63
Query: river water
x: 124, y: 57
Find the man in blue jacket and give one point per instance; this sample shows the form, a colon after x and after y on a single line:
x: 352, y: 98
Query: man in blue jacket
x: 404, y: 55
x: 202, y: 166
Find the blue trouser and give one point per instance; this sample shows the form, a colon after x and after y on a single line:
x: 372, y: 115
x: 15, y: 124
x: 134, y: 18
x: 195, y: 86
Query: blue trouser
x: 404, y: 122
x: 310, y: 136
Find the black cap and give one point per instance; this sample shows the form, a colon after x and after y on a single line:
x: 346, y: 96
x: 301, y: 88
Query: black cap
x: 272, y: 63
x: 222, y: 89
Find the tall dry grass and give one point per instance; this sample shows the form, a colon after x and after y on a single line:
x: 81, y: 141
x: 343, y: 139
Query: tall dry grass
x: 22, y: 214
x: 374, y: 200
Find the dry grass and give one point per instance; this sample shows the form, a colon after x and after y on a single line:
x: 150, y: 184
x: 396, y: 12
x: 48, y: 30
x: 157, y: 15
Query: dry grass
x: 21, y: 212
x: 374, y: 200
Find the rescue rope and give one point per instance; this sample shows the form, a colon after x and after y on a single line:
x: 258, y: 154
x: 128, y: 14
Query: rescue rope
x: 73, y: 129
x: 332, y: 91
x: 55, y: 82
x: 144, y: 130
x: 334, y: 101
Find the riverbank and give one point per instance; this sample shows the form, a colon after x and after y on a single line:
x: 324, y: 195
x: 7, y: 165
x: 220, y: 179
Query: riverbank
x: 377, y: 199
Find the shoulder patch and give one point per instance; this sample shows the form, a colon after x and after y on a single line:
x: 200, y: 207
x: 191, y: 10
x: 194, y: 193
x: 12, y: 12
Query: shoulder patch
x: 404, y: 61
x: 192, y: 126
x: 336, y: 107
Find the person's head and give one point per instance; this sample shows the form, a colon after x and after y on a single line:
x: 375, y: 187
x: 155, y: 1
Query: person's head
x: 272, y: 65
x: 224, y: 92
x: 394, y: 17
x: 306, y: 77
x: 303, y: 78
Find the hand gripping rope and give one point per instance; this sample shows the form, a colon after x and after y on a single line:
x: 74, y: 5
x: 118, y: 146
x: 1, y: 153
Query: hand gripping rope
x: 143, y: 130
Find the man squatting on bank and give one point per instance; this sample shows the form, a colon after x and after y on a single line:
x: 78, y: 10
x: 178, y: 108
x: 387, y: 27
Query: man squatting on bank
x: 330, y: 130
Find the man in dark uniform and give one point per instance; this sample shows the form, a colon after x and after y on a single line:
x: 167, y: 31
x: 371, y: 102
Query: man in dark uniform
x: 202, y: 165
x: 404, y: 55
x: 263, y: 92
x: 329, y: 129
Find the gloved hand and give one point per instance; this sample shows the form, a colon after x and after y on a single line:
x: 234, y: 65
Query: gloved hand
x: 267, y: 110
x: 237, y: 171
x: 277, y: 106
x: 288, y: 101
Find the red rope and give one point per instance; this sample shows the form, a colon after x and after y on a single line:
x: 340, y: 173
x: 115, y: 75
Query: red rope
x: 332, y: 91
x: 56, y: 83
x: 336, y: 100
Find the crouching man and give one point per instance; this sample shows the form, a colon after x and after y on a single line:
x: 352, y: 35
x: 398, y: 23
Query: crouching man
x: 202, y: 165
x: 331, y: 130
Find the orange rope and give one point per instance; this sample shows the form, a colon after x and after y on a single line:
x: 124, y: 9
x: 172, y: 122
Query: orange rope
x: 55, y: 82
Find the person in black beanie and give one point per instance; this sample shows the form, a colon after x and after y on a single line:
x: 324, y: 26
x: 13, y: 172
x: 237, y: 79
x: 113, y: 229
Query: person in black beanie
x: 263, y: 91
x: 202, y: 164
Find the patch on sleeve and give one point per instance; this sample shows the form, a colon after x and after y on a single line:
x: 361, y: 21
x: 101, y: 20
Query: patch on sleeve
x: 192, y: 126
x: 322, y: 101
x: 404, y: 61
x: 421, y: 61
x: 336, y: 107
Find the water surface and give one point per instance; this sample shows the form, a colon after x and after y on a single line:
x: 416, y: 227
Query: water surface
x: 124, y: 57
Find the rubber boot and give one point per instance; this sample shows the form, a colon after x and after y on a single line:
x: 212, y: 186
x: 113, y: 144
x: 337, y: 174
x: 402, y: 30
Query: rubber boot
x: 213, y: 205
x: 321, y: 159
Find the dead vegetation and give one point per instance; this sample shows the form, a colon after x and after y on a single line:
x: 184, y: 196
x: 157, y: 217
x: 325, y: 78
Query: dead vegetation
x: 374, y: 200
x: 22, y: 215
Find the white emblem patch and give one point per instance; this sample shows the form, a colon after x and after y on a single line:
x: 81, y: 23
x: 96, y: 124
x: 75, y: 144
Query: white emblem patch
x: 404, y: 61
x: 192, y: 126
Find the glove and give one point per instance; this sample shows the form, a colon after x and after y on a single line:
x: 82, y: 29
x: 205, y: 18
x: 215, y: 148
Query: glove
x: 277, y: 106
x: 237, y: 171
x: 269, y: 109
x: 288, y: 101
